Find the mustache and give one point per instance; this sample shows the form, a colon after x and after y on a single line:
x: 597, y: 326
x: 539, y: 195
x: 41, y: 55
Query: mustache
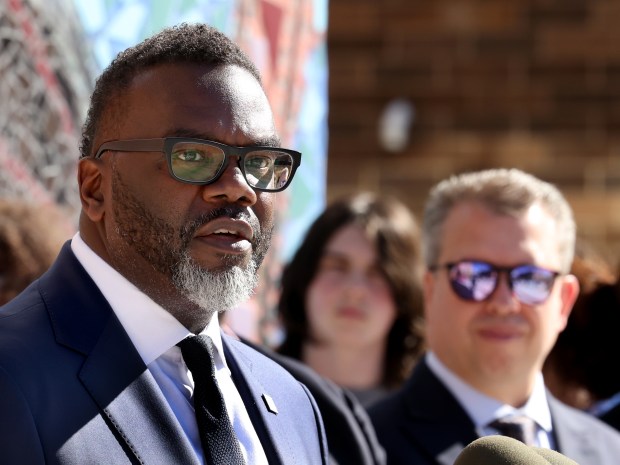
x: 189, y: 229
x: 515, y: 320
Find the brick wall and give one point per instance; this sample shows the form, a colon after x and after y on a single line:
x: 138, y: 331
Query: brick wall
x: 512, y: 83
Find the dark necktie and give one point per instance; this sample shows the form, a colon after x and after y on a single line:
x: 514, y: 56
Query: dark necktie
x: 219, y: 442
x: 520, y: 427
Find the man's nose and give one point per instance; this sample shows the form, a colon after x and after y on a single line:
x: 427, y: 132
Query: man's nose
x: 502, y: 300
x: 231, y: 186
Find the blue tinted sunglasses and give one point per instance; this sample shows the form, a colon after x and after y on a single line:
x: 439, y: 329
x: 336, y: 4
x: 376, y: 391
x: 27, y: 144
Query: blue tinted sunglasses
x: 475, y: 281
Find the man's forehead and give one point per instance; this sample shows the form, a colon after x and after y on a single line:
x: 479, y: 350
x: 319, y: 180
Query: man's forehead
x: 475, y: 231
x: 191, y: 100
x: 215, y: 74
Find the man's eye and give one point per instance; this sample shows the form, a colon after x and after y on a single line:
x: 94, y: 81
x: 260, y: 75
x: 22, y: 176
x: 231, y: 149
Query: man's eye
x: 189, y: 155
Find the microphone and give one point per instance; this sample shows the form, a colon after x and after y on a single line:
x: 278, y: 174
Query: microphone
x: 553, y: 457
x: 502, y: 450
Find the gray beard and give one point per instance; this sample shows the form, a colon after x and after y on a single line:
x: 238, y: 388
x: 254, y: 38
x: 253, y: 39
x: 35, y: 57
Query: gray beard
x: 166, y: 250
x: 215, y: 291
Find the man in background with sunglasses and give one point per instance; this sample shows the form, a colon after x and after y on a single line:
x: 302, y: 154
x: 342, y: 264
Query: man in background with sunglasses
x: 115, y: 355
x: 498, y: 247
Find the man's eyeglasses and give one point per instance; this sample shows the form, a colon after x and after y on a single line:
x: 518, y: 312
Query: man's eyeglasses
x: 198, y: 161
x: 476, y: 280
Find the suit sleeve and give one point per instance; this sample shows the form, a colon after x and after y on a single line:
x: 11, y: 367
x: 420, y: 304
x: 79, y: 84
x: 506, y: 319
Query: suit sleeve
x: 19, y: 439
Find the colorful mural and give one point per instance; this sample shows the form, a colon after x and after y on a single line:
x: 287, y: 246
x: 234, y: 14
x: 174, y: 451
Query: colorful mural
x: 46, y: 77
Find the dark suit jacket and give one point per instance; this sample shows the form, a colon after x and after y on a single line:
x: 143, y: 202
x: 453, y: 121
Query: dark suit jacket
x: 351, y: 439
x: 73, y: 389
x: 423, y: 423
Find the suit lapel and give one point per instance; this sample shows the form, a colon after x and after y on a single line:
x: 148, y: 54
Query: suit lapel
x: 261, y: 406
x: 128, y: 395
x: 113, y: 372
x: 440, y: 426
x: 283, y: 412
x: 573, y: 438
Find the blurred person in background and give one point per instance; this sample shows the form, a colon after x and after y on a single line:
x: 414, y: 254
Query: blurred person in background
x: 498, y: 246
x: 31, y: 235
x: 351, y: 295
x: 579, y: 368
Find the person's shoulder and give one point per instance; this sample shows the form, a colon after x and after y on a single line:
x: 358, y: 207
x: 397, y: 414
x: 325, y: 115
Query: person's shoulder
x: 387, y: 411
x: 420, y: 387
x: 27, y: 341
x: 583, y: 437
x: 261, y: 363
x: 299, y: 371
x: 566, y: 415
x: 31, y: 303
x: 26, y: 306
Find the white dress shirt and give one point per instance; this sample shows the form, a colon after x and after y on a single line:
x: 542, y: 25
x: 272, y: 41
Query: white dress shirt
x: 483, y: 409
x: 155, y: 332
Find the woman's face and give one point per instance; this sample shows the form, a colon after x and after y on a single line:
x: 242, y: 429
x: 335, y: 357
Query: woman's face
x: 349, y: 302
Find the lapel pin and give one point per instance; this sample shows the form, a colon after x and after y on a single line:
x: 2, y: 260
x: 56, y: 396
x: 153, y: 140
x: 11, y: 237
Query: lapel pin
x: 270, y: 404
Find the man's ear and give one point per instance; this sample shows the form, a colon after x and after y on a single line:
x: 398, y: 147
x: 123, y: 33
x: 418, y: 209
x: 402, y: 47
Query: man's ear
x: 569, y: 293
x: 90, y: 182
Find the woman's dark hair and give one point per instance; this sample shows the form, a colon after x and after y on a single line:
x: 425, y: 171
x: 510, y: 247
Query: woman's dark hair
x: 584, y: 352
x: 391, y: 227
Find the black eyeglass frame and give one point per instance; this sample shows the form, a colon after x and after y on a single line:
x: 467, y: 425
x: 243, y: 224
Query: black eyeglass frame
x: 507, y: 270
x: 165, y: 145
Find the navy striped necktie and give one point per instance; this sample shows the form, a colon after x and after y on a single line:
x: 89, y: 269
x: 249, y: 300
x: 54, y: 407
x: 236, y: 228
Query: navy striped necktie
x: 519, y: 427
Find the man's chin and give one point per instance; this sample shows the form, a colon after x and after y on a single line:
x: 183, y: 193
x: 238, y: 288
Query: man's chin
x: 223, y: 263
x: 219, y: 288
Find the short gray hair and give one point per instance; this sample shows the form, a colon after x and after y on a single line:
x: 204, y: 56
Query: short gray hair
x: 503, y: 191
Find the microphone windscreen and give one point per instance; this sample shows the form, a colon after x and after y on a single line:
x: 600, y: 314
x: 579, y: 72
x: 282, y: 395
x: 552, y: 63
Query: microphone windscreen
x: 499, y: 450
x: 553, y: 457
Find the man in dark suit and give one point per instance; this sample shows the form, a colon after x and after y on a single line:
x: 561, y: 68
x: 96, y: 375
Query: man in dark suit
x: 498, y: 246
x: 179, y: 166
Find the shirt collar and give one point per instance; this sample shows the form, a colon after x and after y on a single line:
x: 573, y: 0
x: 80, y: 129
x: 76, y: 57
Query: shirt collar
x: 483, y: 409
x: 151, y: 328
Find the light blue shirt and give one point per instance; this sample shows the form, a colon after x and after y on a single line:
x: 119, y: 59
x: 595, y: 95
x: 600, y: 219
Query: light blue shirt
x: 483, y: 409
x: 155, y: 332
